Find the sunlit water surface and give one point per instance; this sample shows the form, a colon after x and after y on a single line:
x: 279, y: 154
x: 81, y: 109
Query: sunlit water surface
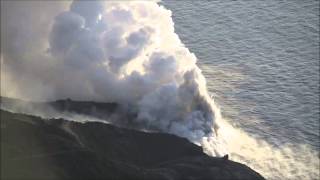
x: 261, y: 62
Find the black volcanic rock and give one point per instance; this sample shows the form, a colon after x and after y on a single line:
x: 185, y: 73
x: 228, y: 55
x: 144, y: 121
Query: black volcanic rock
x: 35, y: 148
x: 96, y: 109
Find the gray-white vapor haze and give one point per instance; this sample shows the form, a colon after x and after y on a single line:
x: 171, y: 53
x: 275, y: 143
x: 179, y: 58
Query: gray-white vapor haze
x: 125, y: 52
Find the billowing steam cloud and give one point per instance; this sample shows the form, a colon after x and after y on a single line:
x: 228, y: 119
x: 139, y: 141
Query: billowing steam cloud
x: 127, y: 52
x: 124, y: 52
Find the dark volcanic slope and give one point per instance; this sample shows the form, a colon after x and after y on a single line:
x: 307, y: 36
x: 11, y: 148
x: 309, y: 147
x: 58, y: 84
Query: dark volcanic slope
x: 96, y: 109
x: 33, y: 148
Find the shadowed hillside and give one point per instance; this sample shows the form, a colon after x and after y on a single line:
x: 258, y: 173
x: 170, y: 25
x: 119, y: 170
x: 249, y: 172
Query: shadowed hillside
x: 35, y: 148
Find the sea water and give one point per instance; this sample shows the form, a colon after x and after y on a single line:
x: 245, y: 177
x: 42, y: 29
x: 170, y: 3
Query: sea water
x: 261, y: 62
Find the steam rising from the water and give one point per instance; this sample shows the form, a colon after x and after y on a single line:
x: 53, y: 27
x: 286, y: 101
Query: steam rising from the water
x: 288, y: 161
x: 124, y: 52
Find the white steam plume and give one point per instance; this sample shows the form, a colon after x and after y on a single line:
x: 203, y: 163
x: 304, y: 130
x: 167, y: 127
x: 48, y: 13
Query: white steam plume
x: 125, y: 52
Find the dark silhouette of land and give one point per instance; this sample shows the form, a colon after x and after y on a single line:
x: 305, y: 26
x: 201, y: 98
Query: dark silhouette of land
x: 36, y: 148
